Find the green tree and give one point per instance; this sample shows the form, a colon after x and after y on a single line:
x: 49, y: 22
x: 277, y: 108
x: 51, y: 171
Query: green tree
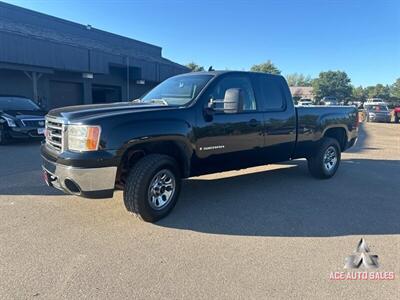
x: 379, y: 91
x: 395, y: 89
x: 370, y: 91
x: 332, y: 83
x: 359, y: 94
x: 267, y: 67
x: 195, y: 67
x: 296, y: 79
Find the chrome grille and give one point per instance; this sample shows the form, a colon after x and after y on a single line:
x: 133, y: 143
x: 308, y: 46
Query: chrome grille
x: 55, y: 133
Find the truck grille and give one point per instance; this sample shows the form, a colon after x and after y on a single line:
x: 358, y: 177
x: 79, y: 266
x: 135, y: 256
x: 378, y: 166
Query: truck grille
x: 55, y: 133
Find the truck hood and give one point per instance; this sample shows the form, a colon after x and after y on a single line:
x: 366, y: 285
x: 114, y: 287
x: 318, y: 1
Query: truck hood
x: 97, y: 110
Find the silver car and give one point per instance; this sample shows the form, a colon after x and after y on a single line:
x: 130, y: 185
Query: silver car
x: 377, y: 113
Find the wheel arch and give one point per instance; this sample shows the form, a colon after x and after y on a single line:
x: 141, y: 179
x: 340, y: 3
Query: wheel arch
x: 176, y: 148
x: 339, y: 133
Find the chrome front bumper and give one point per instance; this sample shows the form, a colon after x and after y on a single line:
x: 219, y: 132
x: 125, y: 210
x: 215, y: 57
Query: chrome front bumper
x: 86, y: 182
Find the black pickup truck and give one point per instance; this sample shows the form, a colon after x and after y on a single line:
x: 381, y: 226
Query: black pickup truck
x: 189, y: 125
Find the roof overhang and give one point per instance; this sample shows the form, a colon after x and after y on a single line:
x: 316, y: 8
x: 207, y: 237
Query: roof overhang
x: 25, y: 68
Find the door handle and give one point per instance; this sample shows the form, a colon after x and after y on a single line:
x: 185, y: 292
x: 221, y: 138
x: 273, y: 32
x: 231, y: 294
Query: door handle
x: 253, y: 123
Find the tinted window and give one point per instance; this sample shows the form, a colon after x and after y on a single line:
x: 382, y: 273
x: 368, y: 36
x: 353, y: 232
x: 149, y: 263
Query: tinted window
x: 272, y: 93
x: 235, y: 82
x: 17, y: 103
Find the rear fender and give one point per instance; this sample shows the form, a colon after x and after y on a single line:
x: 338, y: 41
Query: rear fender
x: 330, y: 121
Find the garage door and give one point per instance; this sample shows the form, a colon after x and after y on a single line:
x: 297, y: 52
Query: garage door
x: 65, y: 94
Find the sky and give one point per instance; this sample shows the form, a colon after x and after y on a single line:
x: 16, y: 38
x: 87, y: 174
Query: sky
x: 359, y: 37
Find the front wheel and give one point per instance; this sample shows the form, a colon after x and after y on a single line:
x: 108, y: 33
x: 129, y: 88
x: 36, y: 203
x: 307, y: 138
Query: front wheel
x: 152, y: 187
x: 325, y: 161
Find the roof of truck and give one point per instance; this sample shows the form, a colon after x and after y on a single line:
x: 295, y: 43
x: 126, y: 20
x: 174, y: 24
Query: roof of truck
x: 220, y: 72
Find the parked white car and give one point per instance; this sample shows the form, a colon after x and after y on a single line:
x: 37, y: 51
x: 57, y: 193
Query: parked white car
x: 375, y: 101
x: 305, y: 103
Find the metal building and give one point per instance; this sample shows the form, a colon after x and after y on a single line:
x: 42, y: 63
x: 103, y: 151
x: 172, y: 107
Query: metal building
x: 58, y: 63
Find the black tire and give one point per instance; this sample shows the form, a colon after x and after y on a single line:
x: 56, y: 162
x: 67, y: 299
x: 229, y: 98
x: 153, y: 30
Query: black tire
x: 137, y: 190
x: 317, y: 165
x: 4, y: 139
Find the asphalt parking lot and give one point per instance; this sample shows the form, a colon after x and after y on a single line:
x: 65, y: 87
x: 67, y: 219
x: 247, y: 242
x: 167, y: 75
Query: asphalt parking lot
x: 266, y: 232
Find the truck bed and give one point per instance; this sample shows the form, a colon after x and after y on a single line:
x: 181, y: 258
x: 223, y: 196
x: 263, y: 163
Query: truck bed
x: 314, y: 121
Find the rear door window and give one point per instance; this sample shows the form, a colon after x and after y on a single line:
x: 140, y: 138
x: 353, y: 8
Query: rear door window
x: 272, y: 92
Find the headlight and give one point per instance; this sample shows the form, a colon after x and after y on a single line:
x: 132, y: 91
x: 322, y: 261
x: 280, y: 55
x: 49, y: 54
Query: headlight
x: 372, y: 114
x: 10, y: 122
x: 83, y: 137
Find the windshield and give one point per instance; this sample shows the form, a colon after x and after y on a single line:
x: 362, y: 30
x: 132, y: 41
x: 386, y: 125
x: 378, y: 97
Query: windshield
x: 177, y: 90
x: 17, y: 103
x: 377, y: 108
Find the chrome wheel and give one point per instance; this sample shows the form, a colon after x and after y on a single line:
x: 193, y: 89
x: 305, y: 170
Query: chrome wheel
x: 330, y: 158
x: 161, y: 189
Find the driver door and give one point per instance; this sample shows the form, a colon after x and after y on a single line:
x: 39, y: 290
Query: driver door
x: 226, y: 141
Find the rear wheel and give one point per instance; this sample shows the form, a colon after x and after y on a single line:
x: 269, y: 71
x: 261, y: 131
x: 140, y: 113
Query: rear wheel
x: 152, y: 187
x: 325, y: 161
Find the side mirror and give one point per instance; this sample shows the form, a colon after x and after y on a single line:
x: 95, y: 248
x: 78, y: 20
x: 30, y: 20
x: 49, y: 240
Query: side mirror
x: 232, y: 102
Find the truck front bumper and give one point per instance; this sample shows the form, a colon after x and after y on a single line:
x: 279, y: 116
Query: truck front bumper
x: 85, y: 182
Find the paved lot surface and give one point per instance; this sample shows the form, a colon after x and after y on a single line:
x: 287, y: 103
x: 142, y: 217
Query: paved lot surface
x: 269, y: 232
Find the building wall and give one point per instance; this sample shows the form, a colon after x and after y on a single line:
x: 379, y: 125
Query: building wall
x: 305, y: 92
x: 61, y: 52
x: 53, y: 88
x: 15, y: 83
x: 34, y: 24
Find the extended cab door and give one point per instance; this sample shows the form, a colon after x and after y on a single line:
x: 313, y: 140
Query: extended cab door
x: 279, y: 116
x: 226, y: 141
